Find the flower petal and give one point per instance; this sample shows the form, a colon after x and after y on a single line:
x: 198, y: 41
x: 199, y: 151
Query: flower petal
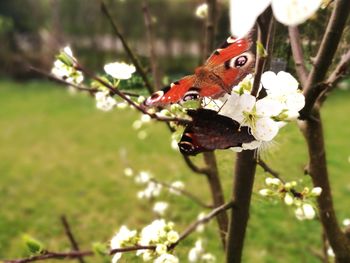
x: 243, y: 15
x: 269, y: 80
x: 265, y: 129
x: 268, y: 107
x: 295, y: 102
x: 290, y: 84
x: 294, y: 12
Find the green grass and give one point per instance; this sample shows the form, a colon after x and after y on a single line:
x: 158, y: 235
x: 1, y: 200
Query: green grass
x: 59, y: 155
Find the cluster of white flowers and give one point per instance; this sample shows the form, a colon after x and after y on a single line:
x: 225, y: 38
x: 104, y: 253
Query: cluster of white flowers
x: 301, y: 201
x: 264, y: 116
x: 162, y: 235
x: 64, y: 67
x: 159, y: 233
x: 198, y: 254
x: 243, y: 14
x: 104, y: 101
x: 123, y: 238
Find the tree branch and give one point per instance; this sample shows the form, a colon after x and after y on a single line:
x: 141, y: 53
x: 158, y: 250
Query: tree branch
x: 216, y: 212
x: 245, y: 162
x: 217, y: 193
x: 70, y: 236
x: 298, y: 56
x: 268, y: 169
x: 325, y: 55
x: 127, y: 48
x: 79, y: 254
x: 335, y: 77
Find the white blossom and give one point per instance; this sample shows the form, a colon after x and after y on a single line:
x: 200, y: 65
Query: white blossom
x: 175, y: 186
x: 153, y: 232
x: 160, y: 207
x: 119, y: 70
x: 173, y: 236
x: 208, y: 258
x: 65, y: 71
x: 145, y: 118
x: 272, y: 181
x: 330, y: 252
x: 305, y: 212
x: 316, y: 191
x: 142, y: 135
x: 122, y: 237
x: 128, y: 172
x: 289, y: 12
x: 166, y: 258
x: 143, y: 177
x: 196, y: 252
x: 266, y: 192
x: 122, y: 105
x: 255, y: 114
x: 202, y: 11
x: 200, y: 228
x: 152, y: 190
x: 137, y: 124
x: 283, y: 88
x: 346, y: 222
x: 161, y: 249
x: 104, y: 101
x: 288, y: 199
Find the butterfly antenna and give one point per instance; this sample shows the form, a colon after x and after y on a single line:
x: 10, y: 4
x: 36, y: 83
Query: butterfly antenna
x: 223, y: 104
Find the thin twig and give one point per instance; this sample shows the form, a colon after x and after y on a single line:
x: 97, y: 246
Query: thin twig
x: 127, y: 48
x: 336, y: 76
x: 151, y: 43
x: 182, y: 192
x: 69, y: 84
x: 193, y: 166
x: 268, y: 169
x: 70, y: 236
x: 206, y: 219
x: 128, y: 100
x: 298, y: 56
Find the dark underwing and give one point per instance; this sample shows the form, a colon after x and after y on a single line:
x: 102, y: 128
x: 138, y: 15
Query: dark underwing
x: 209, y: 131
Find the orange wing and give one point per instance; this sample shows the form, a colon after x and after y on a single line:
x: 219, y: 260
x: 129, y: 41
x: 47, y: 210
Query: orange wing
x: 229, y: 49
x: 173, y: 93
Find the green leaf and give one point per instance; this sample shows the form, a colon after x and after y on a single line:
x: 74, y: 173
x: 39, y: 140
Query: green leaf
x: 33, y: 245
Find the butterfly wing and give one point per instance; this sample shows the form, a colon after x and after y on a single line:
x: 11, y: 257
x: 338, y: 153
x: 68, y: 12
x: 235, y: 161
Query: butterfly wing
x: 176, y: 91
x: 209, y: 131
x: 225, y: 67
x: 232, y: 61
x: 229, y: 49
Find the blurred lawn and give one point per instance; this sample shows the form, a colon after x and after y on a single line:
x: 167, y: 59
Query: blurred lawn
x: 59, y: 155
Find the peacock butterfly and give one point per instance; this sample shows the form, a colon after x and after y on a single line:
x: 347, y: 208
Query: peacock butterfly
x: 209, y: 130
x: 227, y: 66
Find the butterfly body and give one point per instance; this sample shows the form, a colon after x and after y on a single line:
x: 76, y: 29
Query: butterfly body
x: 226, y: 67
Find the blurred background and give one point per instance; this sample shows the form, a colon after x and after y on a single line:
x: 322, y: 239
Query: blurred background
x: 59, y: 155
